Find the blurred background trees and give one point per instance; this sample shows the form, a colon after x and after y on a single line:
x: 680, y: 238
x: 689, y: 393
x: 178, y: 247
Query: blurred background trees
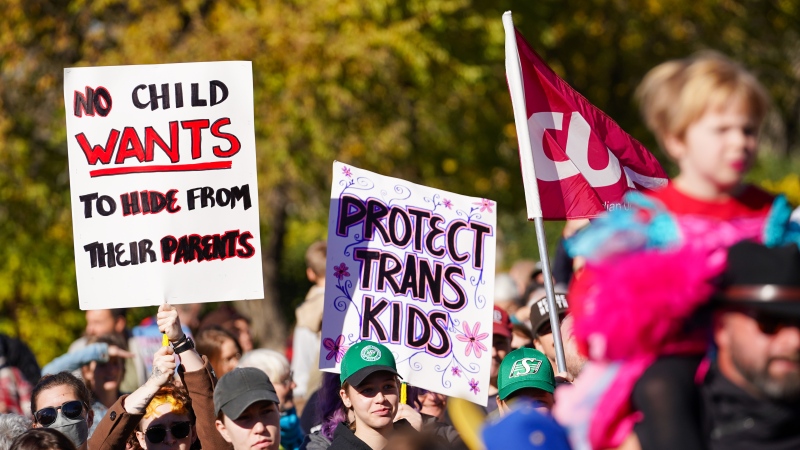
x: 412, y: 89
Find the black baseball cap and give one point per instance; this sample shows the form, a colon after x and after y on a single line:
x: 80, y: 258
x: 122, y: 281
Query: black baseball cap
x: 240, y: 388
x: 540, y: 311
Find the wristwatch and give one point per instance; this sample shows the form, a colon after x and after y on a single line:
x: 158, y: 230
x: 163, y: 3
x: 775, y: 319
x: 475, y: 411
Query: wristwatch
x: 183, y: 344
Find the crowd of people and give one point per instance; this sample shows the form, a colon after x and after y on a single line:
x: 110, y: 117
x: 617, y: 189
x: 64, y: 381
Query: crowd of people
x: 679, y: 317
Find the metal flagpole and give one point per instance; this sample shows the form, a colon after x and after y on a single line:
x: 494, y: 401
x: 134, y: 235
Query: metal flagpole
x: 514, y: 74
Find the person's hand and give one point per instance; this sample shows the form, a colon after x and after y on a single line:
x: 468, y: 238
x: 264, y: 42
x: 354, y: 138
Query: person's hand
x: 116, y: 352
x: 163, y: 365
x: 410, y: 414
x: 169, y: 323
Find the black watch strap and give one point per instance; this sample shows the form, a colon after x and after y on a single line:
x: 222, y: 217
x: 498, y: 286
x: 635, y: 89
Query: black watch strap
x: 183, y: 345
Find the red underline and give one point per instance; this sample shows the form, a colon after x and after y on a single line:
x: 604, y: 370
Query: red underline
x: 150, y: 169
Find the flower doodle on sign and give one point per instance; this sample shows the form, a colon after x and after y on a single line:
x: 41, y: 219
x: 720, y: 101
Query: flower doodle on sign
x: 346, y: 172
x: 473, y: 339
x: 473, y: 386
x: 485, y: 205
x: 455, y: 371
x: 447, y: 204
x: 341, y: 271
x: 336, y: 349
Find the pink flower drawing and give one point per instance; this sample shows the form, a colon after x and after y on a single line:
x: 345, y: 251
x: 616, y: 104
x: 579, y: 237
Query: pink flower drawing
x: 346, y: 172
x: 473, y: 339
x: 456, y: 371
x: 335, y: 348
x: 473, y: 386
x: 340, y: 271
x: 447, y: 203
x: 485, y: 205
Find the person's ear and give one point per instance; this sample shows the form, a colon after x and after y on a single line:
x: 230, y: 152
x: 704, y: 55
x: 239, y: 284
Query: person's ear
x: 345, y: 398
x: 223, y: 431
x: 141, y: 439
x: 674, y: 146
x: 312, y: 277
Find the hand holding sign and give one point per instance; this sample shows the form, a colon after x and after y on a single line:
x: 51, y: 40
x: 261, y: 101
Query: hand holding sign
x: 169, y: 323
x: 163, y: 366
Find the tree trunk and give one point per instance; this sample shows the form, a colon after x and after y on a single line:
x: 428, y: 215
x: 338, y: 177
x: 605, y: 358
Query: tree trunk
x: 268, y: 327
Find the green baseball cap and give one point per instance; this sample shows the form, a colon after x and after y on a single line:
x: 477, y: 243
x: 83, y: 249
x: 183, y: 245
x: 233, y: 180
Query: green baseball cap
x: 364, y: 359
x: 525, y: 368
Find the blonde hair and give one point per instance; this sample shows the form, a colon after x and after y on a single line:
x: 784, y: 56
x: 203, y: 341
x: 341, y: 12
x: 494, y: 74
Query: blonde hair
x: 274, y: 364
x: 677, y: 93
x: 315, y: 258
x: 169, y: 395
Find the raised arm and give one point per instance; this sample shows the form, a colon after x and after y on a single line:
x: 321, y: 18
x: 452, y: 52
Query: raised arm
x: 197, y: 377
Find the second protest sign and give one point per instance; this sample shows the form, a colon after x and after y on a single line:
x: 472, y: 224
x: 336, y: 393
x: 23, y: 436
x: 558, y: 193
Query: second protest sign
x: 411, y: 267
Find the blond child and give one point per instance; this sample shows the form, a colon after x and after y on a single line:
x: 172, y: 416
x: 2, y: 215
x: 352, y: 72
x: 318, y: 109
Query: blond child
x: 649, y: 267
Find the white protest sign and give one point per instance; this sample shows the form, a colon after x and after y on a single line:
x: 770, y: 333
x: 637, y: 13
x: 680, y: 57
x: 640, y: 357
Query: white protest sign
x: 411, y: 267
x: 163, y: 187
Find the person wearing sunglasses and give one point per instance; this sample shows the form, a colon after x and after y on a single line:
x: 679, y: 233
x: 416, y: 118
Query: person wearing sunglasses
x: 61, y: 401
x: 158, y: 413
x: 752, y: 391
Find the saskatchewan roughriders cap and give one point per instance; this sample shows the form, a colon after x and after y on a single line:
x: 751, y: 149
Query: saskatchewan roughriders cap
x: 364, y: 359
x: 525, y: 368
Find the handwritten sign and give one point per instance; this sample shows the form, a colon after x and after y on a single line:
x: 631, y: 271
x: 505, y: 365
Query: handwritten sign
x: 163, y: 183
x: 413, y: 268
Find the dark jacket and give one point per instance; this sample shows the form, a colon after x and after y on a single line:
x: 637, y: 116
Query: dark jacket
x: 736, y: 420
x: 345, y: 439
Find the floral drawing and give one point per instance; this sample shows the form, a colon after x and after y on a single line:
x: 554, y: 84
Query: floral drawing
x: 485, y: 205
x: 341, y: 271
x: 447, y: 203
x: 346, y: 172
x: 335, y: 348
x: 473, y: 386
x: 455, y: 371
x: 473, y: 339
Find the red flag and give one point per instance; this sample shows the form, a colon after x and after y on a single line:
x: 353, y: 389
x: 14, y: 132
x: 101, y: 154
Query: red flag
x: 584, y: 162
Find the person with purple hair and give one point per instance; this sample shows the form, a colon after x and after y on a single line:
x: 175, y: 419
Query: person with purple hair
x: 329, y: 412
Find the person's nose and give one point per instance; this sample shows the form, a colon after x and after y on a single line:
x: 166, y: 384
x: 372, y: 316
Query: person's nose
x: 259, y: 426
x: 169, y: 439
x: 789, y: 339
x: 379, y: 397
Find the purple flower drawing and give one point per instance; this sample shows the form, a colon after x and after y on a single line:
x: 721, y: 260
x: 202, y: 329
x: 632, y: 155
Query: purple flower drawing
x: 485, y: 205
x: 447, y: 203
x: 346, y: 172
x: 473, y: 339
x: 456, y: 371
x: 473, y: 386
x: 340, y: 271
x: 335, y: 348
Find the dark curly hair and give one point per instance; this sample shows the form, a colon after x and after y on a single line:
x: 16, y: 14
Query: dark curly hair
x: 42, y: 439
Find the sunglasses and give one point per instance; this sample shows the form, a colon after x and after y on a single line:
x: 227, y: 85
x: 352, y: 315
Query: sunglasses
x: 771, y: 323
x: 47, y: 416
x: 157, y: 433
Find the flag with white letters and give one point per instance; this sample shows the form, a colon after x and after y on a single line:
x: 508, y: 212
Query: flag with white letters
x: 584, y: 162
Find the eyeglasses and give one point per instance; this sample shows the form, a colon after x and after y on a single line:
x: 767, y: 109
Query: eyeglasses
x: 47, y: 416
x: 157, y: 433
x: 771, y: 323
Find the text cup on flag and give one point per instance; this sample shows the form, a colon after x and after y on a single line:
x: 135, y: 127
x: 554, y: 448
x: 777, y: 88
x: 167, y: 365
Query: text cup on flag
x: 584, y: 162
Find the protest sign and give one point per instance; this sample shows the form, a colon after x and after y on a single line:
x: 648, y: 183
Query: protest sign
x: 163, y: 186
x: 411, y: 267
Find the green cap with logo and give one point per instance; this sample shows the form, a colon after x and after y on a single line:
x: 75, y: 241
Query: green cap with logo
x: 364, y: 359
x: 525, y: 368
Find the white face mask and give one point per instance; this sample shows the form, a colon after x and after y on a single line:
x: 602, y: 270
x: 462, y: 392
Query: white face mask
x: 77, y: 430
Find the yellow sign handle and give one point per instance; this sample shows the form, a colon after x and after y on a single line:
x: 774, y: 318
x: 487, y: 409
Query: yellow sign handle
x: 164, y: 340
x: 403, y: 392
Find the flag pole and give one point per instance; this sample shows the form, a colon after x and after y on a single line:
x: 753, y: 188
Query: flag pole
x: 514, y: 75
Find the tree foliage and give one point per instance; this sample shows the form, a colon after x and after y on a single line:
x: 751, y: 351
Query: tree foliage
x: 413, y: 89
